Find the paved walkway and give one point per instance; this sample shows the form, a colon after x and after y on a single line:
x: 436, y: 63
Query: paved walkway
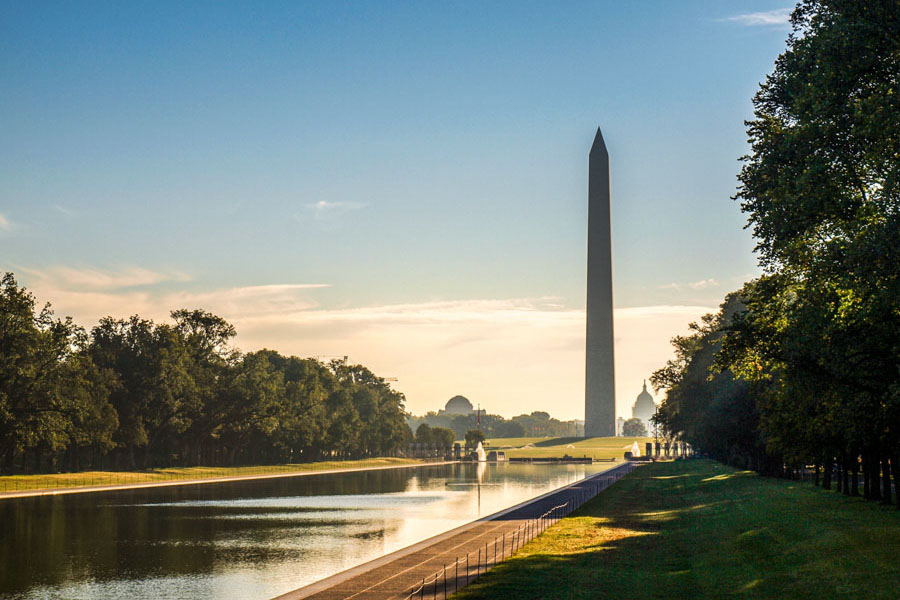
x: 449, y: 561
x: 171, y: 482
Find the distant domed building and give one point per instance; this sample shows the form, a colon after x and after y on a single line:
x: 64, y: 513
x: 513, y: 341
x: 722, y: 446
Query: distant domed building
x: 644, y: 407
x: 457, y: 405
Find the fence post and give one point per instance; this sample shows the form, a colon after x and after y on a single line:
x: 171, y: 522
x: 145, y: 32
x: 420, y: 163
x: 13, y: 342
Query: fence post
x: 445, y: 580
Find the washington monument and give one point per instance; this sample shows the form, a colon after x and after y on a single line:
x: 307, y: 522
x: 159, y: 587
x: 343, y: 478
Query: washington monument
x: 600, y: 383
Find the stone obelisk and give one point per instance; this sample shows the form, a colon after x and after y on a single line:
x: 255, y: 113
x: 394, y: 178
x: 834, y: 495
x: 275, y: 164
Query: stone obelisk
x: 600, y: 383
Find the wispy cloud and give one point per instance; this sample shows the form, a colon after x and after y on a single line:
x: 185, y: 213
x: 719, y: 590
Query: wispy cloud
x: 100, y: 279
x: 324, y: 210
x: 703, y: 284
x: 88, y: 294
x: 64, y: 210
x: 693, y: 285
x: 5, y: 224
x: 780, y: 17
x: 248, y: 303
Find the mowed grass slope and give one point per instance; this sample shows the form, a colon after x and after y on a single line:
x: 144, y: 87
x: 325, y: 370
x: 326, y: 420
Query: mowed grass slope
x: 598, y: 448
x: 697, y: 529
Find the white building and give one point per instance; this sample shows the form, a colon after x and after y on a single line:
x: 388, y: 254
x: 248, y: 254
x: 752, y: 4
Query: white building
x: 644, y: 407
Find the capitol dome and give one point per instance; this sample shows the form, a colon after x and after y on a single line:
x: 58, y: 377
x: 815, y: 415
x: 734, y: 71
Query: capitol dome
x: 644, y: 407
x: 458, y: 405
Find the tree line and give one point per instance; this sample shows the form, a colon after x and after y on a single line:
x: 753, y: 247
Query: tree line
x: 801, y: 367
x: 132, y: 393
x: 536, y: 424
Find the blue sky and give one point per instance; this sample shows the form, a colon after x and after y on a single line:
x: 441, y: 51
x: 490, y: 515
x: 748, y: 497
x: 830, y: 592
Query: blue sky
x: 401, y: 182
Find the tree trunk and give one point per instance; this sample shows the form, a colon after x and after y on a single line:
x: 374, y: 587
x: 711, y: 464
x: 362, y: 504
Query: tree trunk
x: 846, y: 475
x: 867, y: 479
x: 38, y: 454
x: 854, y: 473
x: 816, y: 466
x: 827, y: 472
x: 840, y: 476
x: 886, y: 478
x: 875, y: 472
x: 895, y: 469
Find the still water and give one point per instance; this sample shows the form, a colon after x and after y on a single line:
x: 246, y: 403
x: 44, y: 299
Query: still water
x: 252, y: 539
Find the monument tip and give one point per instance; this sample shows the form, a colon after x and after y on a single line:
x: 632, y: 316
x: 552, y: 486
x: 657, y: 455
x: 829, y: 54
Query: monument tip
x: 598, y: 145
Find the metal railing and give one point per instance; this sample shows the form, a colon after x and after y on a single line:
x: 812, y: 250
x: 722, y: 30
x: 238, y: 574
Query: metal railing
x: 466, y: 568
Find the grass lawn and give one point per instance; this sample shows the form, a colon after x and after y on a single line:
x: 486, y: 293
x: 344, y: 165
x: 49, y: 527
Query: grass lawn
x: 599, y: 447
x: 14, y: 483
x: 697, y: 529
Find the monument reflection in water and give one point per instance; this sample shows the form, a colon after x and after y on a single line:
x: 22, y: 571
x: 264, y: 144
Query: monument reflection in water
x: 245, y: 540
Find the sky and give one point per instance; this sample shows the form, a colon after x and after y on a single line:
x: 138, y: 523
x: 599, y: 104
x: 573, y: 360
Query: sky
x: 402, y: 183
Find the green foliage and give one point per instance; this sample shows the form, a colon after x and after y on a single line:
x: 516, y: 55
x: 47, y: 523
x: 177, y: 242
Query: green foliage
x: 822, y: 193
x: 634, y: 427
x: 537, y: 424
x: 472, y: 437
x: 423, y: 434
x: 439, y: 436
x: 708, y: 407
x: 817, y: 348
x: 443, y: 436
x: 52, y: 396
x: 138, y: 393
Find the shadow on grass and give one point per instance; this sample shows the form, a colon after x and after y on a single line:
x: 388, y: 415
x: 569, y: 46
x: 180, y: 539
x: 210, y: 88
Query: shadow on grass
x: 697, y: 529
x: 557, y: 441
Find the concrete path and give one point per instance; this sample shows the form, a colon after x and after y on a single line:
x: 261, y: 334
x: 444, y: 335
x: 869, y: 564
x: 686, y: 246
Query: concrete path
x: 453, y: 559
x: 153, y: 484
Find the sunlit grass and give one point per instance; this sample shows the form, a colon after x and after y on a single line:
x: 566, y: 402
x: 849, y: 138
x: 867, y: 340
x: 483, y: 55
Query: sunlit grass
x: 597, y: 448
x: 13, y: 483
x: 513, y: 442
x: 697, y: 529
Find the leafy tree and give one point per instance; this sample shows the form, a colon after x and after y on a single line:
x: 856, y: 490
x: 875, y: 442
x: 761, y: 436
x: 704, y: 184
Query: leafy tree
x: 423, y: 434
x: 634, y: 427
x: 49, y: 391
x: 442, y: 436
x: 154, y: 398
x: 509, y: 429
x: 705, y: 405
x: 821, y: 189
x: 157, y: 394
x: 472, y: 437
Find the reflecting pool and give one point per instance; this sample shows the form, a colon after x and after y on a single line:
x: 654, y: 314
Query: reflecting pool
x: 251, y: 539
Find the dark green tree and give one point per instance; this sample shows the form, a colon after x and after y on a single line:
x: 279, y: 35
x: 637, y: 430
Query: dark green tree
x: 424, y: 434
x: 821, y: 189
x: 51, y: 395
x: 472, y: 437
x: 634, y: 427
x: 442, y: 436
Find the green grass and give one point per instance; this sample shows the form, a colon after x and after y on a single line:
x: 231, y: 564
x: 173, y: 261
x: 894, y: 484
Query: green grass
x: 14, y: 483
x: 697, y: 529
x: 502, y: 443
x: 598, y: 448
